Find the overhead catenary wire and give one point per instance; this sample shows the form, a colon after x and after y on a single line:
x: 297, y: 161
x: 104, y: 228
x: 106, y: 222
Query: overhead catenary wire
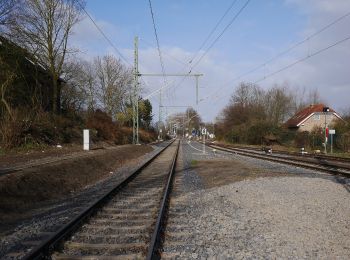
x: 213, y: 30
x: 295, y: 62
x: 160, y: 89
x: 294, y: 46
x: 280, y: 54
x: 104, y: 35
x: 157, y: 40
x: 108, y: 40
x: 164, y: 53
x: 221, y: 34
x: 213, y: 43
x: 160, y: 58
x: 303, y: 59
x: 201, y: 46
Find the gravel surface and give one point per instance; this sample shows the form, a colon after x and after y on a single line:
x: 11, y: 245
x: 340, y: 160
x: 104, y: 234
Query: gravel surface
x: 52, y: 218
x: 301, y: 216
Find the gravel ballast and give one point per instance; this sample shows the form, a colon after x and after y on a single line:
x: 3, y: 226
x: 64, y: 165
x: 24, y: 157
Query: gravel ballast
x: 301, y: 216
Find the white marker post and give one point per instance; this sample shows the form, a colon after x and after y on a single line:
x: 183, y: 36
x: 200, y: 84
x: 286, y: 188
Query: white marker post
x: 86, y: 140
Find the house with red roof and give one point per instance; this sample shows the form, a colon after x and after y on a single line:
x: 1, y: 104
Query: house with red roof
x: 317, y: 115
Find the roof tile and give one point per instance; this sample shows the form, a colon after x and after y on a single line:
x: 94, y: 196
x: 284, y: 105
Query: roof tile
x: 304, y: 113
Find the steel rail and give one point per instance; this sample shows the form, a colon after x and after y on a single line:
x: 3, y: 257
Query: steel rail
x: 44, y: 250
x: 301, y: 158
x: 288, y: 161
x: 155, y: 241
x: 309, y: 155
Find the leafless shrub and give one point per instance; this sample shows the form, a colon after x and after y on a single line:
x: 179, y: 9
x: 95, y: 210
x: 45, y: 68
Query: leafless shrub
x: 13, y: 128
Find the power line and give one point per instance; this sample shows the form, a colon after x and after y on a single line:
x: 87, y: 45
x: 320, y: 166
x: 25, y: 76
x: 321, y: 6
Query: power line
x: 157, y: 39
x: 107, y: 39
x: 284, y: 52
x: 303, y: 59
x: 160, y: 58
x: 293, y: 63
x: 167, y: 54
x: 213, y: 30
x: 293, y: 46
x: 221, y: 34
x: 104, y: 35
x: 217, y: 38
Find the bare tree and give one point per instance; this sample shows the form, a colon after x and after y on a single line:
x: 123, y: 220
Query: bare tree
x: 44, y: 27
x: 79, y: 91
x: 247, y: 94
x: 113, y: 80
x: 279, y: 104
x: 314, y: 96
x: 7, y: 7
x: 193, y: 119
x: 90, y: 85
x: 6, y: 78
x: 248, y: 101
x: 303, y: 98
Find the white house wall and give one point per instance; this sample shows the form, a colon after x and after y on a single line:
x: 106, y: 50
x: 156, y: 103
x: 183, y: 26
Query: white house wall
x: 317, y: 119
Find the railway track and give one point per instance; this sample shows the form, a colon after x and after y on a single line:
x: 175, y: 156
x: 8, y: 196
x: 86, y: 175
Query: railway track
x: 125, y: 223
x: 309, y: 163
x: 305, y: 155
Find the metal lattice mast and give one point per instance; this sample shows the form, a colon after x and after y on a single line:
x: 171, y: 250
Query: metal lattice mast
x: 135, y: 103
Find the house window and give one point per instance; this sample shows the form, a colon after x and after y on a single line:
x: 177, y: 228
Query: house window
x: 317, y: 117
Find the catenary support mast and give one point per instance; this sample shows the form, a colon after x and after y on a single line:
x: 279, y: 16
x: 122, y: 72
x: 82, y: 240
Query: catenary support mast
x: 135, y: 97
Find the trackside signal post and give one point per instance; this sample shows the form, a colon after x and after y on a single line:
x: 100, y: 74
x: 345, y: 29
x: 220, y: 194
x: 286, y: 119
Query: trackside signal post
x: 325, y: 111
x: 331, y: 133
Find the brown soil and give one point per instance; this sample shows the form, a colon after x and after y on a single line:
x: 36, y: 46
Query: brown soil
x: 23, y: 190
x: 218, y: 172
x: 15, y: 157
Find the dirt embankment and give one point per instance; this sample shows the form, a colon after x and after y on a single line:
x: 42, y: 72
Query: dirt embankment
x: 23, y: 190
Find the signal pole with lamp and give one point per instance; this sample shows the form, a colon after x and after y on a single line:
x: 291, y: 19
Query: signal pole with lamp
x: 331, y: 133
x: 325, y: 111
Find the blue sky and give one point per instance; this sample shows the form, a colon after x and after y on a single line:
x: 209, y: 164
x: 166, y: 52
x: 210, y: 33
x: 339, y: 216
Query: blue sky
x: 263, y: 29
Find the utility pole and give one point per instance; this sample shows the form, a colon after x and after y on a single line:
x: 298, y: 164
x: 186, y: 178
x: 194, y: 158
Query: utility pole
x: 135, y: 98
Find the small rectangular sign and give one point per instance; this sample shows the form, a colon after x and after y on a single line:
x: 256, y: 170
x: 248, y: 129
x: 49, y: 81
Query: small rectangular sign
x: 332, y: 131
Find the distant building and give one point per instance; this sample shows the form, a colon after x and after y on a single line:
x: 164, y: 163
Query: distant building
x: 310, y: 117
